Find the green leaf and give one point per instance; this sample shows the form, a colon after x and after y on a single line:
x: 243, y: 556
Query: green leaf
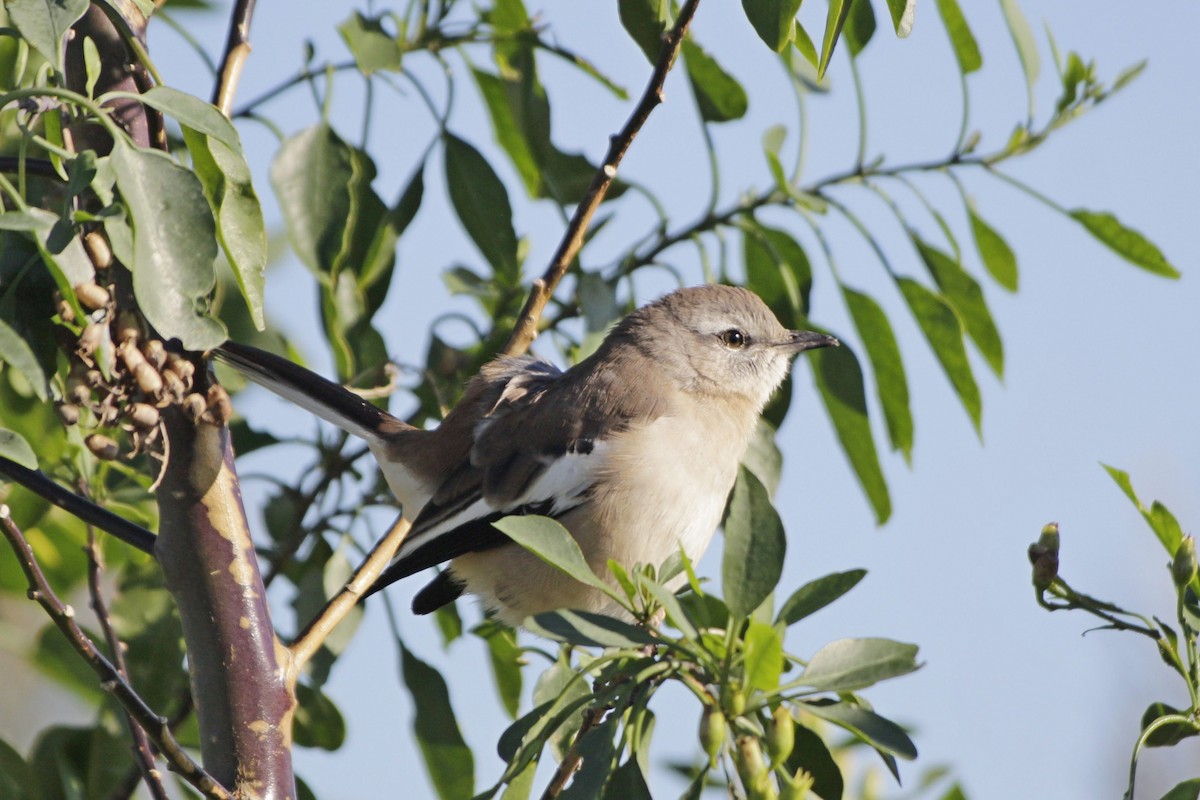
x: 777, y: 270
x: 835, y: 20
x: 373, y: 47
x: 806, y: 48
x: 719, y: 96
x: 481, y: 202
x: 965, y: 294
x: 902, y: 15
x: 15, y: 777
x: 506, y: 661
x: 1187, y: 790
x: 628, y: 783
x: 599, y: 753
x: 55, y: 658
x: 966, y: 50
x: 174, y: 245
x: 674, y: 611
x: 860, y: 26
x: 1171, y: 733
x: 1022, y: 37
x: 997, y: 256
x: 877, y: 731
x: 59, y: 247
x: 1160, y: 520
x: 551, y: 542
x: 227, y: 183
x: 883, y: 352
x: 811, y: 754
x: 17, y: 353
x: 197, y: 114
x: 586, y: 629
x: 44, y: 24
x: 754, y: 546
x: 514, y: 134
x: 448, y: 760
x: 943, y: 330
x: 774, y: 20
x: 762, y: 654
x: 1125, y: 242
x: 840, y: 382
x: 317, y: 722
x: 850, y: 664
x: 816, y: 594
x: 645, y: 21
x: 763, y: 457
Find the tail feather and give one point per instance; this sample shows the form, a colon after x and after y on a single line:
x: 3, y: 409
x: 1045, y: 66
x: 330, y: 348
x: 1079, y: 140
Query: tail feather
x: 324, y: 398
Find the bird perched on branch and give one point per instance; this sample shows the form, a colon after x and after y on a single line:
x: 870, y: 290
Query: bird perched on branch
x: 634, y: 450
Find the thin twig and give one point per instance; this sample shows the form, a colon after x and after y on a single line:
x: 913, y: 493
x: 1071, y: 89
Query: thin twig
x: 574, y: 758
x: 237, y: 50
x: 310, y: 640
x: 40, y: 484
x: 110, y: 679
x: 143, y: 755
x: 526, y: 328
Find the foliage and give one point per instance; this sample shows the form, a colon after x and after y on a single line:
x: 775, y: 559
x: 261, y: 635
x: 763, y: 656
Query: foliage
x: 108, y: 248
x: 1162, y: 725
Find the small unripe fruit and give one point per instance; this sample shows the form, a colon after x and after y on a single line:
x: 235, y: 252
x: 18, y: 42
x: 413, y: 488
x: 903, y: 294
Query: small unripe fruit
x: 155, y: 353
x: 68, y: 413
x: 92, y: 296
x: 712, y: 733
x: 194, y: 406
x: 1183, y: 566
x: 148, y: 379
x: 102, y: 447
x: 142, y: 415
x: 781, y: 735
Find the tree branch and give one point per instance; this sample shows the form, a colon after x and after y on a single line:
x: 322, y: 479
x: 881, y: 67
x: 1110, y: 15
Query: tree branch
x: 110, y: 678
x: 237, y: 50
x: 310, y: 640
x: 526, y: 328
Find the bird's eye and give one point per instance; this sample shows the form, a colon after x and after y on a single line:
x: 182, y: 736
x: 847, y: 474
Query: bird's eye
x: 734, y: 339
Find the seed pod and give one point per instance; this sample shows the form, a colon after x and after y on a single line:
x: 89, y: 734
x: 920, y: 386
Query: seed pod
x: 89, y: 340
x: 92, y: 296
x: 712, y: 733
x: 181, y: 366
x: 175, y: 390
x: 98, y: 249
x: 108, y: 413
x: 148, y: 379
x: 155, y: 353
x: 102, y: 447
x: 142, y: 415
x: 77, y: 389
x: 220, y: 409
x: 1183, y: 566
x: 94, y: 378
x: 132, y: 357
x: 128, y: 329
x: 65, y: 312
x: 68, y: 413
x: 194, y: 406
x: 781, y: 735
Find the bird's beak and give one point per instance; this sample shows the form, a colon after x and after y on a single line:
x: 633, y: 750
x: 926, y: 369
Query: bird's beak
x: 799, y: 341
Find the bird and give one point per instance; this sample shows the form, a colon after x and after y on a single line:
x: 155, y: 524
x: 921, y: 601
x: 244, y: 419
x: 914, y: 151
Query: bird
x: 634, y: 450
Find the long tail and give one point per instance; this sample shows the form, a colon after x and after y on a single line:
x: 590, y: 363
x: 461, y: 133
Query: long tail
x: 307, y: 389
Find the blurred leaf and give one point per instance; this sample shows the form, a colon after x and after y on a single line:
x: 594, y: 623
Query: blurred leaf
x: 15, y: 351
x: 588, y: 630
x: 1022, y: 37
x: 966, y: 50
x: 955, y: 792
x: 840, y: 382
x: 1171, y: 733
x: 763, y: 656
x: 146, y: 619
x: 44, y: 24
x: 964, y: 293
x: 599, y: 753
x: 506, y: 663
x: 850, y: 664
x: 995, y: 253
x: 317, y: 722
x: 1160, y: 520
x: 943, y: 330
x: 373, y: 47
x: 835, y: 20
x: 719, y: 97
x: 811, y: 754
x: 674, y: 611
x: 481, y: 202
x: 1125, y: 242
x: 816, y: 594
x: 58, y: 246
x: 192, y: 112
x: 16, y: 780
x: 59, y: 763
x: 884, y: 354
x: 14, y: 447
x: 1187, y: 790
x: 174, y: 245
x: 55, y: 658
x: 902, y: 15
x: 860, y: 26
x: 227, y: 183
x: 806, y: 48
x: 448, y: 760
x: 645, y: 21
x: 763, y: 457
x: 521, y: 786
x: 877, y: 731
x: 754, y: 546
x: 550, y: 541
x: 773, y: 20
x: 627, y: 783
x: 449, y: 623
